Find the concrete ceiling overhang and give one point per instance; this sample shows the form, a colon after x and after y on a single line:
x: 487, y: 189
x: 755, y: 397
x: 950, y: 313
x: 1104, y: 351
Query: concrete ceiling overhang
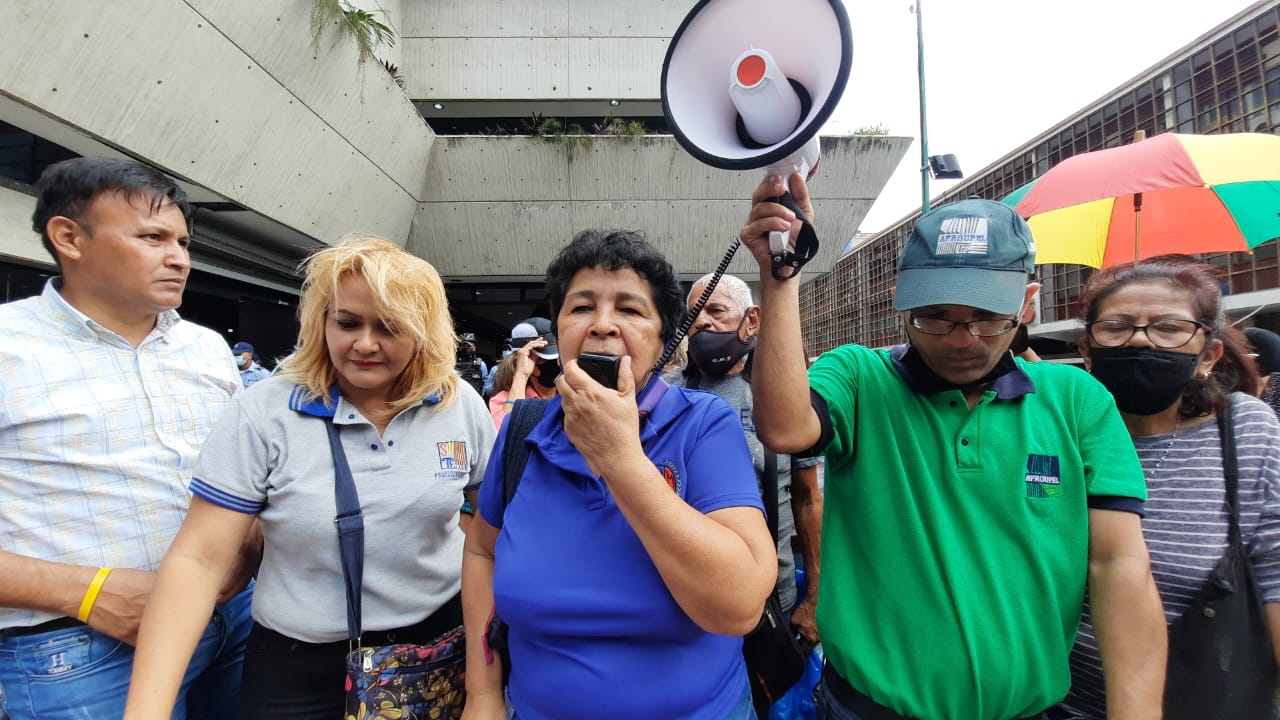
x: 498, y: 208
x: 230, y: 239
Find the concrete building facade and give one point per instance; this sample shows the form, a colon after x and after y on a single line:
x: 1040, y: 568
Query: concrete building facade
x: 286, y: 143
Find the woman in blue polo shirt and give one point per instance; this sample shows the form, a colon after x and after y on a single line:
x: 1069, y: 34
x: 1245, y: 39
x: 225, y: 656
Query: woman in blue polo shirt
x: 635, y: 554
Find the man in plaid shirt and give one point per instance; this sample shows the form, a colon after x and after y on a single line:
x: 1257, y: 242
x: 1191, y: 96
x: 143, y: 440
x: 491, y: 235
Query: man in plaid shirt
x: 108, y: 394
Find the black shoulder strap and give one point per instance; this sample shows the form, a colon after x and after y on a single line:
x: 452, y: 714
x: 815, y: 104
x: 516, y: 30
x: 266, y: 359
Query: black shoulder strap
x: 515, y: 453
x: 1230, y: 470
x: 769, y: 492
x: 692, y: 377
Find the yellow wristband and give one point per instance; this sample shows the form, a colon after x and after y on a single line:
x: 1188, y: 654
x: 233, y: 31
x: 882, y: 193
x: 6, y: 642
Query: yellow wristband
x: 91, y: 594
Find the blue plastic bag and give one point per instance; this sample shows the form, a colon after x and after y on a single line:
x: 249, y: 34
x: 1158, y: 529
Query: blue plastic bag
x: 797, y: 703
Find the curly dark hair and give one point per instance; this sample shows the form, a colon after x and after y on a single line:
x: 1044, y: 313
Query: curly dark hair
x: 1234, y: 372
x: 67, y: 189
x: 618, y: 250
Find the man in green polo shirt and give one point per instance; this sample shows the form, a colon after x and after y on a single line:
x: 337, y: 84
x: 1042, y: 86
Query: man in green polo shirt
x: 970, y: 497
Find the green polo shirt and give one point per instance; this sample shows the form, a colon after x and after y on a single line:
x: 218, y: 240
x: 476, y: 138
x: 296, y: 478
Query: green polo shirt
x: 955, y: 542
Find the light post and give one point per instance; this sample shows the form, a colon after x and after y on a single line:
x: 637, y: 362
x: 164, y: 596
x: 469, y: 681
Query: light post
x: 943, y: 167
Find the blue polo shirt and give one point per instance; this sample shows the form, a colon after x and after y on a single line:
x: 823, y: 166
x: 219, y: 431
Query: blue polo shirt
x: 594, y: 631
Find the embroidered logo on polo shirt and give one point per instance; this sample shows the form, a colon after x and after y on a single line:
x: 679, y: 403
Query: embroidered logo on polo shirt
x: 453, y: 459
x: 1043, y: 479
x: 672, y: 476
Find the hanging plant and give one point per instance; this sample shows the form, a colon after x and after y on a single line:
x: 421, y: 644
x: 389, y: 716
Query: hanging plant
x: 394, y: 71
x: 361, y: 25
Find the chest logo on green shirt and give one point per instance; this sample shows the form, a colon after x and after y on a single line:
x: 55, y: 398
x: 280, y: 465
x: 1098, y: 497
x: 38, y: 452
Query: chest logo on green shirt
x: 1043, y: 479
x: 453, y: 459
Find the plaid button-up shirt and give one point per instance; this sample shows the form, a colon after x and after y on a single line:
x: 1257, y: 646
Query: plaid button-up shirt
x: 97, y: 438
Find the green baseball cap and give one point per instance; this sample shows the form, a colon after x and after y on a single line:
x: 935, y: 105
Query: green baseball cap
x: 972, y: 252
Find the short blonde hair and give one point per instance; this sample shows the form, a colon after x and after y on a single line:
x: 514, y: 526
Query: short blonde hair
x: 410, y: 300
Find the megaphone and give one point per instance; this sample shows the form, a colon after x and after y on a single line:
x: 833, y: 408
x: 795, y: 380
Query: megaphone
x: 748, y: 84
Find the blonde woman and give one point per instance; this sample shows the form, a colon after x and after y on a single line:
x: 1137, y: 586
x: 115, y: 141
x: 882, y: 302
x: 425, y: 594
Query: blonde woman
x: 376, y: 360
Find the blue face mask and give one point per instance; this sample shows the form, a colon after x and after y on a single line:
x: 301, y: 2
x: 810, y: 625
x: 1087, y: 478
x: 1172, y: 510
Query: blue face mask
x: 1144, y: 381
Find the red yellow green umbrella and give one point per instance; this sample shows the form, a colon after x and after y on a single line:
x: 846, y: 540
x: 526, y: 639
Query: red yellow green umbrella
x: 1170, y: 193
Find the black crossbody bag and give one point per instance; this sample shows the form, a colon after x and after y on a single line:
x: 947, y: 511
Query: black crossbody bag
x: 1221, y: 662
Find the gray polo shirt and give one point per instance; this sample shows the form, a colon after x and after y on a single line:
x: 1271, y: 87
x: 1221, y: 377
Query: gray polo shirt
x: 270, y: 455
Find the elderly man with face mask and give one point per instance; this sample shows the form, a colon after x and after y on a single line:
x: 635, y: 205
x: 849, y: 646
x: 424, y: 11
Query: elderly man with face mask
x: 720, y: 343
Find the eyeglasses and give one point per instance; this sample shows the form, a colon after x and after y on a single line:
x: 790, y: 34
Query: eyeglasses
x: 1167, y: 334
x: 977, y: 328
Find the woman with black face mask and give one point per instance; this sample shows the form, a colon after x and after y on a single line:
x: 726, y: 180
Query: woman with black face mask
x: 524, y: 374
x: 1157, y: 339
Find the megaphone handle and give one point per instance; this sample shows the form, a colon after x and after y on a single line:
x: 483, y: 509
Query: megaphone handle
x: 806, y: 246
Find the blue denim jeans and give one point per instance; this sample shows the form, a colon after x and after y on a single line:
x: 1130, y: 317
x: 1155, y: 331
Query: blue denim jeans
x: 77, y: 672
x: 829, y: 708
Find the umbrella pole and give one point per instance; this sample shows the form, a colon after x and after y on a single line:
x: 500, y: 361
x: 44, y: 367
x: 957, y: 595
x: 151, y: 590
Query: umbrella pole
x: 1137, y: 221
x: 1138, y: 136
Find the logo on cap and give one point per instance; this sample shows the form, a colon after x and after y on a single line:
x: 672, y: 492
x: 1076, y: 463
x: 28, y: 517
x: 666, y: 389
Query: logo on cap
x: 962, y: 236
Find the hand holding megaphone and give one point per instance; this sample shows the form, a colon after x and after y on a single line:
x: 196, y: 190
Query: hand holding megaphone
x: 788, y: 257
x: 769, y: 218
x: 787, y: 64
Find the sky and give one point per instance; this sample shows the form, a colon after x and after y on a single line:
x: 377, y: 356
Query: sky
x: 997, y: 73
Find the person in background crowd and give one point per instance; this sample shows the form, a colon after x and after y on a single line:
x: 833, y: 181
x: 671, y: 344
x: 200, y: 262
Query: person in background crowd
x: 1157, y: 339
x: 108, y: 396
x: 1021, y: 345
x: 377, y: 362
x: 720, y: 342
x: 1266, y: 351
x: 949, y: 466
x: 487, y: 390
x: 537, y: 366
x: 470, y: 367
x: 679, y: 357
x: 504, y: 374
x: 634, y: 554
x: 250, y: 371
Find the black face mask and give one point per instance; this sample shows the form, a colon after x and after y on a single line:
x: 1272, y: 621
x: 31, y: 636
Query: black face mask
x: 1144, y: 381
x: 547, y: 372
x: 715, y: 353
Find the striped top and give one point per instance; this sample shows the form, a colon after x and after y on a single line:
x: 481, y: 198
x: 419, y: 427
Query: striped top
x: 1186, y: 524
x: 97, y: 437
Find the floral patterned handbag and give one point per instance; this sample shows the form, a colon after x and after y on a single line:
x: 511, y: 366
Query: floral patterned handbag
x: 395, y: 682
x: 391, y: 682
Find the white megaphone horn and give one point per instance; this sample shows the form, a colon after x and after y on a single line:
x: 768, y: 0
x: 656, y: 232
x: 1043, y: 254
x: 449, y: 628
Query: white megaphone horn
x: 787, y: 65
